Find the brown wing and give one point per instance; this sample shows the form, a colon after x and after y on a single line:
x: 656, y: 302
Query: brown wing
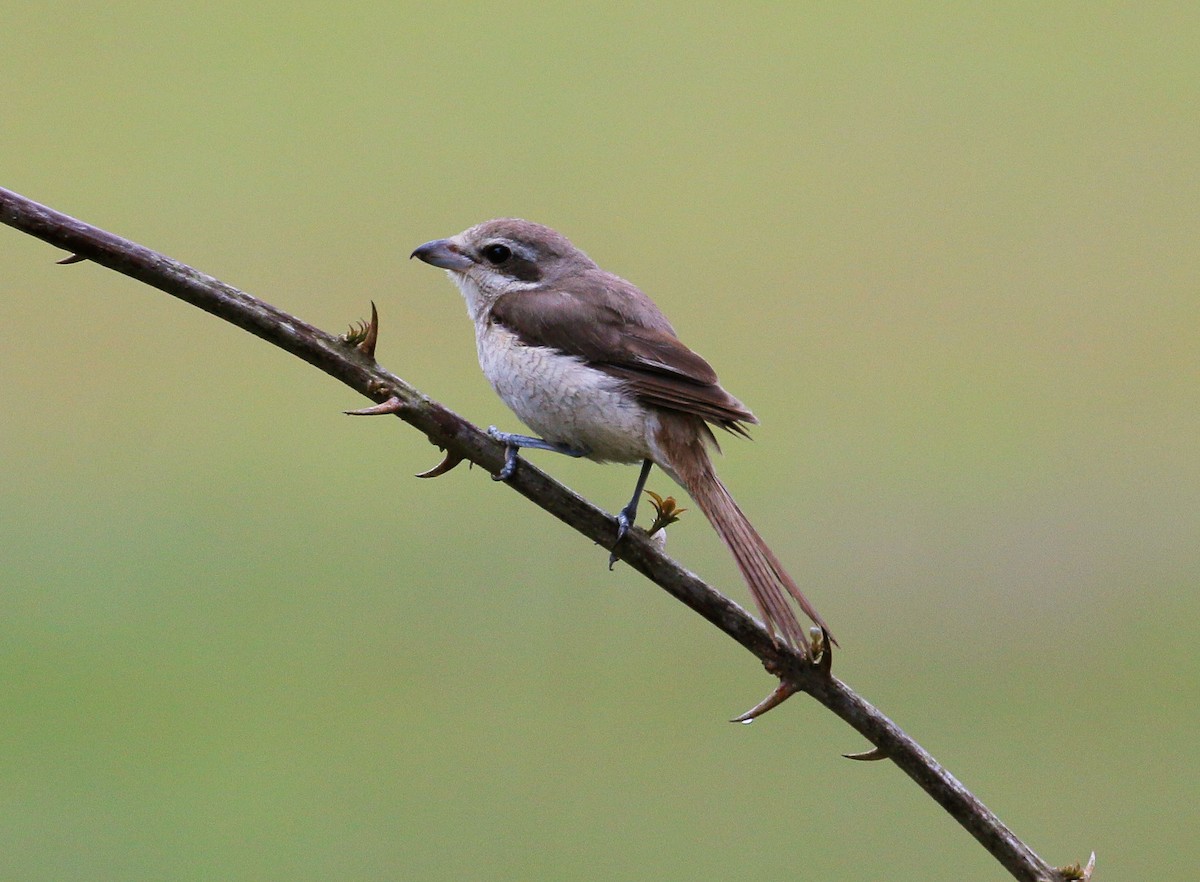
x: 616, y: 328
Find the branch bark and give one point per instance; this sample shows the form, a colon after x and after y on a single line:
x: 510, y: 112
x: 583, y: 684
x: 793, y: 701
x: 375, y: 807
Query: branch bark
x: 345, y: 362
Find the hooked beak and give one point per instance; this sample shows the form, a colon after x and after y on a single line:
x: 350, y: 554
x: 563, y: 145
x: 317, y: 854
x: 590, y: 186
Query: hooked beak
x: 443, y: 253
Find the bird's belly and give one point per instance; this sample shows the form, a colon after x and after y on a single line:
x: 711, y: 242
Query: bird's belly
x: 564, y: 400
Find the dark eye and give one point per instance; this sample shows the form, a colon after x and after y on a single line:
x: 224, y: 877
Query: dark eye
x: 497, y: 253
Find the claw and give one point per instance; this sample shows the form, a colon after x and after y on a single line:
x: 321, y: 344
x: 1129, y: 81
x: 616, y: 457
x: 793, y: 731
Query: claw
x: 392, y: 405
x: 448, y: 462
x: 778, y: 696
x: 868, y: 756
x: 510, y: 462
x: 510, y: 453
x: 74, y: 258
x: 623, y: 524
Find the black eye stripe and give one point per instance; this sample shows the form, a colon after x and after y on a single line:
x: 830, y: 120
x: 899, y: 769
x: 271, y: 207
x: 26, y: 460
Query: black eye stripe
x: 523, y: 270
x: 518, y: 264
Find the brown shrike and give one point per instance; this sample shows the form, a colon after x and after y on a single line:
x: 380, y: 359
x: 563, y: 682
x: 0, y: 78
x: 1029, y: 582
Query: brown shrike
x: 588, y: 362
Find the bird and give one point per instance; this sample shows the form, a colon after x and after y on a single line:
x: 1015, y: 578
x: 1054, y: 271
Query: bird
x: 588, y: 362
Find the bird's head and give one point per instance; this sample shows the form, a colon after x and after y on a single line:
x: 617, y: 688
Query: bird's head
x: 503, y: 256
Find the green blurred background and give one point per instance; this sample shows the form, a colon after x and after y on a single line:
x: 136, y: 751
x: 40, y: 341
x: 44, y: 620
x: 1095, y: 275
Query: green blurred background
x: 948, y: 254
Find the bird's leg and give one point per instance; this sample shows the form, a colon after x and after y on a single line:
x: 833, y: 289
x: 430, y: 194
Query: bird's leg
x: 627, y: 515
x: 513, y: 443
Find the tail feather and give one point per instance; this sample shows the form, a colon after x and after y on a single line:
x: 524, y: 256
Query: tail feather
x: 769, y: 583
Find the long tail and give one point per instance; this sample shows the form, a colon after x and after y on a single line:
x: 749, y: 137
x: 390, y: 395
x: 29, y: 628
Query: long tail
x: 770, y: 585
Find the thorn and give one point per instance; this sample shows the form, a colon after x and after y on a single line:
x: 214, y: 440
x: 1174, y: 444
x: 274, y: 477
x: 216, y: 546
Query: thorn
x: 363, y: 335
x: 448, y: 462
x: 868, y: 756
x: 74, y: 258
x: 367, y: 345
x: 1076, y: 873
x: 822, y: 650
x: 392, y: 405
x: 778, y: 696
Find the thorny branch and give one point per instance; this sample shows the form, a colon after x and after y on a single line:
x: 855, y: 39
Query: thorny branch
x: 350, y: 359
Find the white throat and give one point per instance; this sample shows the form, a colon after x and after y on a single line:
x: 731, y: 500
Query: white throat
x: 480, y: 302
x: 477, y: 304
